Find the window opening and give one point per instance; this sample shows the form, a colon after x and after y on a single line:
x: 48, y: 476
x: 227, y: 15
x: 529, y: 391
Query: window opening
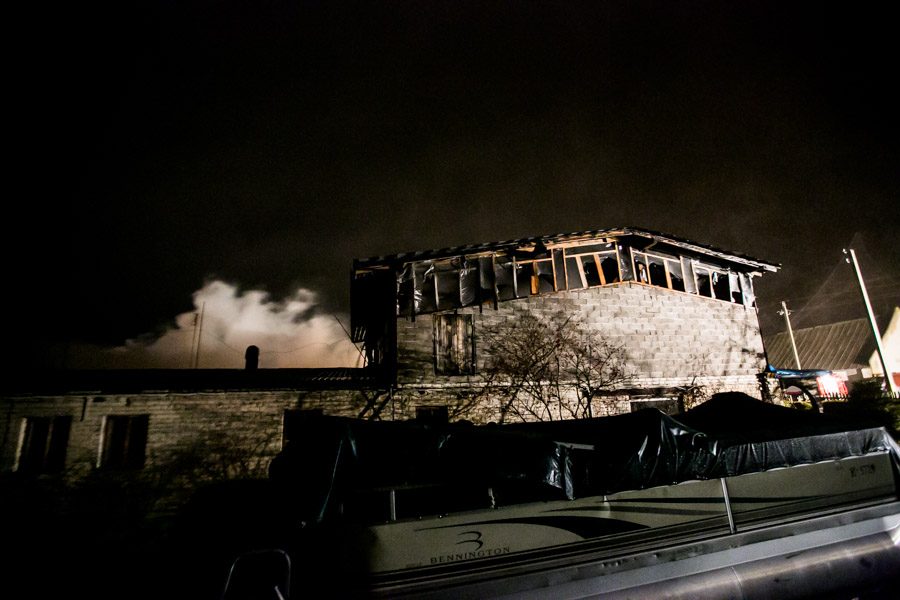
x: 543, y: 271
x: 704, y: 283
x: 435, y: 415
x: 124, y: 443
x: 676, y: 275
x: 658, y: 275
x: 447, y: 284
x: 721, y: 286
x: 641, y: 273
x: 658, y: 270
x: 590, y: 269
x: 592, y: 273
x: 717, y: 284
x: 737, y: 296
x: 574, y: 274
x: 503, y: 273
x: 560, y: 281
x: 427, y: 298
x: 44, y: 444
x: 609, y: 267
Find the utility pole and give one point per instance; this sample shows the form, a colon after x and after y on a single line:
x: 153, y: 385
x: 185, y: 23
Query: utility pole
x: 193, y: 341
x: 199, y: 329
x: 888, y: 376
x: 787, y: 319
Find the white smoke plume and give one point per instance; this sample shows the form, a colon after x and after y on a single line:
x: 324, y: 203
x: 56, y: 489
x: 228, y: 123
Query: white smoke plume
x: 289, y: 333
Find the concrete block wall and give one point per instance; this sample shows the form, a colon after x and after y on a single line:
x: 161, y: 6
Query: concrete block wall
x: 670, y: 338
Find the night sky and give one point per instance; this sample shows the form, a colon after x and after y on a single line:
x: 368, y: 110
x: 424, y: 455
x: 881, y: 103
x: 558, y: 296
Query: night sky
x: 161, y: 146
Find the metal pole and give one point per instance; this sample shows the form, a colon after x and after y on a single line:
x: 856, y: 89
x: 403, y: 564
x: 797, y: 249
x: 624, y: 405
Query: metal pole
x: 787, y: 319
x: 199, y: 336
x: 193, y: 341
x: 888, y: 376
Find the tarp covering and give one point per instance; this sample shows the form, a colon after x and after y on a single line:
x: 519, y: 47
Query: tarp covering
x: 629, y: 451
x: 797, y: 374
x: 755, y: 436
x: 731, y: 434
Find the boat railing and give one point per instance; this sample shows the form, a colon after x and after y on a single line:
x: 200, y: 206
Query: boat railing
x: 259, y: 575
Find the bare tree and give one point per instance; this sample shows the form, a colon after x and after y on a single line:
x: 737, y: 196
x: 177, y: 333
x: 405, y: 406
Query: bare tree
x: 597, y: 367
x: 549, y: 369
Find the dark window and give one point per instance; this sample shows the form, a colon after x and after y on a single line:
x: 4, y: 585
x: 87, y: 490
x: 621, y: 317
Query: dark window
x: 544, y: 273
x: 591, y: 272
x: 721, y: 286
x: 704, y: 285
x: 610, y: 268
x: 534, y: 277
x: 573, y: 274
x: 44, y: 444
x: 658, y: 274
x: 448, y: 289
x: 640, y: 270
x: 658, y: 270
x: 503, y: 275
x: 524, y: 281
x: 426, y: 292
x: 559, y: 263
x: 454, y: 345
x: 124, y: 441
x: 436, y: 415
x: 296, y: 420
x: 675, y: 274
x: 666, y: 405
x: 406, y: 291
x: 469, y: 285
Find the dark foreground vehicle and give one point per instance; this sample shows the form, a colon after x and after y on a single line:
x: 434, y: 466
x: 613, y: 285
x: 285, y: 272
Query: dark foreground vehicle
x: 735, y: 499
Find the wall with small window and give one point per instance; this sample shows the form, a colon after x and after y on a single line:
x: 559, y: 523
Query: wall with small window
x: 70, y: 435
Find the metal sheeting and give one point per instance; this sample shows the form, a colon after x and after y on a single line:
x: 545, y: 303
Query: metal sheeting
x: 837, y: 346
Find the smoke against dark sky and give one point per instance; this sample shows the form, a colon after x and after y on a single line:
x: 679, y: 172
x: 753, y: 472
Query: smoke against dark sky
x: 162, y: 145
x: 223, y: 324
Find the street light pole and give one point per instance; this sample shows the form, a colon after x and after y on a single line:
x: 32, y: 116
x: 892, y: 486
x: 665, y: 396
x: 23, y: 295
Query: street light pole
x: 784, y: 311
x: 888, y: 376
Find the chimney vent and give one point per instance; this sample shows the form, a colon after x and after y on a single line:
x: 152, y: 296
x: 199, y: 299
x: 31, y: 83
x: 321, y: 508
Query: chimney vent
x: 251, y: 358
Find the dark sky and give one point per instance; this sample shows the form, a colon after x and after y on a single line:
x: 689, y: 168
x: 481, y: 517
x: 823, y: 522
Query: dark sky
x: 159, y: 145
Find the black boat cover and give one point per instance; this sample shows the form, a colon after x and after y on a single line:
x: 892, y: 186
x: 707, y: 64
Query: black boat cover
x: 731, y: 434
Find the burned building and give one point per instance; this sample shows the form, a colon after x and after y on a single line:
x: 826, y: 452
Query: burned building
x: 682, y: 313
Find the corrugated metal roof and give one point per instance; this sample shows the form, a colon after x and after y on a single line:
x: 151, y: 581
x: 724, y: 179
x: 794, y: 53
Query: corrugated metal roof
x: 837, y: 346
x: 471, y: 249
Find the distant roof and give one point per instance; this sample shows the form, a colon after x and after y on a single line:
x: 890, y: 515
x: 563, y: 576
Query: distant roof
x: 838, y: 296
x: 557, y: 238
x: 123, y: 381
x: 836, y: 346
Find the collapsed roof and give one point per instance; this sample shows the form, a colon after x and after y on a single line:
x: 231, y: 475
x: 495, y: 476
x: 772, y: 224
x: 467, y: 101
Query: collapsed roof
x: 642, y: 237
